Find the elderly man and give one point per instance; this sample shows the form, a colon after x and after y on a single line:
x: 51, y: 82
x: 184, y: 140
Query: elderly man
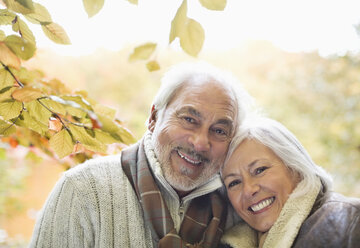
x: 160, y: 192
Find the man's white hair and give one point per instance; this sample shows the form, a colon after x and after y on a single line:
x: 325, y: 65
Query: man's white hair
x: 286, y: 146
x: 182, y: 73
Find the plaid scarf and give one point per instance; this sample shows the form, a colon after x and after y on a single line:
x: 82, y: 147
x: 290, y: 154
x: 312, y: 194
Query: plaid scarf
x: 203, y: 222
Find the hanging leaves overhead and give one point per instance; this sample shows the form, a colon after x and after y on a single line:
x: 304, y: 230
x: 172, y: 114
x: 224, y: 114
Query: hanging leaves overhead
x: 213, y: 4
x: 92, y: 7
x: 189, y: 31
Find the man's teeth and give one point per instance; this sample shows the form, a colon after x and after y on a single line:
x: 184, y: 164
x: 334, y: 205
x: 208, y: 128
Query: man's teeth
x: 262, y: 204
x: 188, y: 159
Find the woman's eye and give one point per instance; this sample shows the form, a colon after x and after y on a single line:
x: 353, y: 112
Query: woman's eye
x: 233, y: 183
x: 260, y: 170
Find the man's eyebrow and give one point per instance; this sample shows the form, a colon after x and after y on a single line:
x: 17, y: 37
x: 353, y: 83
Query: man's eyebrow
x: 189, y: 110
x: 227, y: 122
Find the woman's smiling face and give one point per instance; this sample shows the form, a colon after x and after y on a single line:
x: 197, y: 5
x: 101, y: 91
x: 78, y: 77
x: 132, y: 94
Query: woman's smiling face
x: 258, y: 184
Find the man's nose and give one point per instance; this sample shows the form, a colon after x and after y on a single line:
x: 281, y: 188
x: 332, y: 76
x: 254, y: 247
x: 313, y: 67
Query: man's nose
x: 200, y: 141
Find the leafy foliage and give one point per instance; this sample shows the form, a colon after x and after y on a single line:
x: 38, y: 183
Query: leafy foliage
x: 35, y: 112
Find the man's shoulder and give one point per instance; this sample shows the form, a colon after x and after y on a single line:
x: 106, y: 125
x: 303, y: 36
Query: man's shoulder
x: 95, y: 164
x: 95, y: 172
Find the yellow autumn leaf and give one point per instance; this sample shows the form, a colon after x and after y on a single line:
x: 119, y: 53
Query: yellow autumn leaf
x: 6, y: 128
x: 153, y: 65
x: 2, y: 35
x: 6, y: 17
x: 7, y: 57
x: 10, y: 109
x: 5, y: 78
x: 26, y: 94
x: 40, y: 15
x: 21, y: 47
x: 133, y: 1
x: 177, y: 24
x: 80, y: 134
x: 20, y: 6
x: 56, y: 33
x: 38, y: 111
x: 189, y: 31
x: 92, y: 7
x: 213, y: 4
x: 192, y: 38
x: 143, y: 52
x: 62, y: 143
x: 22, y: 28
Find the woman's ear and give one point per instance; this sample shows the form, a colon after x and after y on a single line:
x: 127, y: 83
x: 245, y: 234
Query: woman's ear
x: 152, y: 119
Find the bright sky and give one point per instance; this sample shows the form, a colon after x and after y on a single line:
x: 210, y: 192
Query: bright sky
x: 293, y: 25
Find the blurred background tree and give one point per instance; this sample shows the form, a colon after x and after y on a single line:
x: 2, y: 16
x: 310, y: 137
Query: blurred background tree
x: 315, y: 96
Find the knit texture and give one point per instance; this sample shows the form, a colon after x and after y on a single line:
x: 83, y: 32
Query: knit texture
x: 94, y: 205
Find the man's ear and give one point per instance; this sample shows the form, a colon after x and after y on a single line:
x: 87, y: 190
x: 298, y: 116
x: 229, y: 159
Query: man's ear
x: 152, y: 119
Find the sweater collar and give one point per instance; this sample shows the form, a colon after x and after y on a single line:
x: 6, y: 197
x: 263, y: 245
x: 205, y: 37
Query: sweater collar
x: 286, y: 227
x: 212, y: 185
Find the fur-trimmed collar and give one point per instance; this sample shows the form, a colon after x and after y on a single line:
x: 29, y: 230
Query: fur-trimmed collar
x: 285, y: 229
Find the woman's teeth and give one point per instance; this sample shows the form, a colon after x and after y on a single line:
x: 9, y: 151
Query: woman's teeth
x: 262, y: 204
x: 187, y: 159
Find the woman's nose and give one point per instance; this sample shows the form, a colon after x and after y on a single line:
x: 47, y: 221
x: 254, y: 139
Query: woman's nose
x: 250, y: 188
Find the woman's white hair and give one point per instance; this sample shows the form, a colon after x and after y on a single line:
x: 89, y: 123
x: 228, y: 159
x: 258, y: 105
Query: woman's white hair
x: 182, y: 73
x: 286, y: 146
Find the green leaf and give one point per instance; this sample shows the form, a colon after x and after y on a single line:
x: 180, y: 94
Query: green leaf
x: 213, y: 4
x: 23, y: 29
x: 56, y: 33
x: 92, y: 7
x: 6, y: 17
x: 6, y: 129
x: 20, y: 6
x: 21, y: 47
x: 62, y: 143
x: 80, y: 134
x: 7, y: 57
x: 153, y: 65
x: 6, y: 79
x: 10, y: 109
x: 192, y: 38
x: 26, y: 94
x: 142, y: 52
x: 177, y: 24
x: 40, y: 16
x: 38, y: 112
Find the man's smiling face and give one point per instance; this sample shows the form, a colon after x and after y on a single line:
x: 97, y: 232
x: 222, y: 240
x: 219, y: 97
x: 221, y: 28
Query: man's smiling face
x: 191, y: 136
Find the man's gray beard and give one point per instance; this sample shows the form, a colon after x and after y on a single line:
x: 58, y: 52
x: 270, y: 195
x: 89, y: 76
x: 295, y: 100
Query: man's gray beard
x: 181, y: 181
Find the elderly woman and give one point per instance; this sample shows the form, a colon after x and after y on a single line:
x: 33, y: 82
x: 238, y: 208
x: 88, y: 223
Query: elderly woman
x: 282, y: 195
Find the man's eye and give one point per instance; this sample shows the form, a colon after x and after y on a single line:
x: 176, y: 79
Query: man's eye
x: 260, y: 170
x: 220, y: 131
x: 233, y: 183
x: 189, y: 119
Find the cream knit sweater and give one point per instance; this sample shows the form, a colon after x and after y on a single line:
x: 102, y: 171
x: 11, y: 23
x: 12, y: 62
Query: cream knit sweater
x: 94, y: 205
